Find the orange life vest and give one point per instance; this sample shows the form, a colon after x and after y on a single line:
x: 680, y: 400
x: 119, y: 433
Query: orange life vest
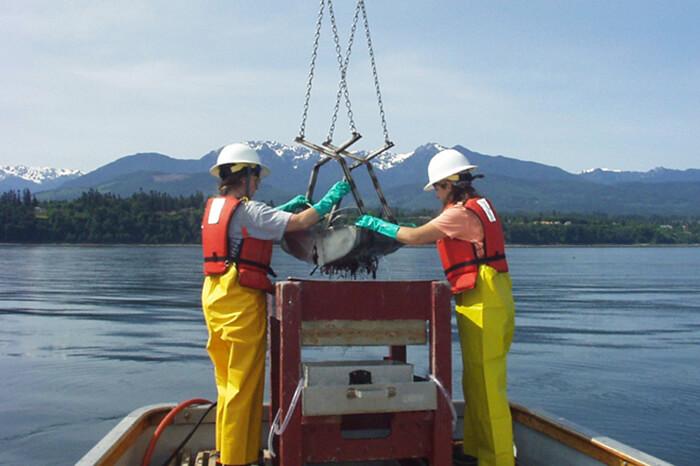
x: 459, y: 258
x: 253, y: 257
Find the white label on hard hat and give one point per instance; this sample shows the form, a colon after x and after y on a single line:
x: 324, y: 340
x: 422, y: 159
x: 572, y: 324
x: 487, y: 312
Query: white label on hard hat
x: 484, y: 204
x: 217, y: 205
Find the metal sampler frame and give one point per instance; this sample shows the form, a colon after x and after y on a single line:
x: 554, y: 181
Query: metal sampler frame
x: 337, y: 153
x: 306, y: 246
x: 327, y: 148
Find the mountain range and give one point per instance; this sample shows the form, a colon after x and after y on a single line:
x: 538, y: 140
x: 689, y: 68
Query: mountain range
x: 33, y: 178
x: 514, y: 185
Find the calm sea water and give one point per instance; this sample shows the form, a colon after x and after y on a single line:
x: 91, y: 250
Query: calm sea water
x: 606, y: 337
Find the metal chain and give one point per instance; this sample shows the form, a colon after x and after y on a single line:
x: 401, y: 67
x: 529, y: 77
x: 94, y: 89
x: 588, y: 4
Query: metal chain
x: 343, y: 64
x: 309, y: 82
x: 382, y: 115
x: 346, y: 92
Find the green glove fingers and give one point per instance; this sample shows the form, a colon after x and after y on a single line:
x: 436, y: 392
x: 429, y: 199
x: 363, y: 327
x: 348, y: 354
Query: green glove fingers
x: 332, y: 197
x: 378, y: 225
x: 294, y: 203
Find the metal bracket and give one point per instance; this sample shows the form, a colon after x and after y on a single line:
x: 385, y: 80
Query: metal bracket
x: 370, y: 170
x: 335, y: 155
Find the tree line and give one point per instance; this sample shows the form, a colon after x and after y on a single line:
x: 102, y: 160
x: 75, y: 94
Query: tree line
x: 158, y: 218
x: 94, y: 217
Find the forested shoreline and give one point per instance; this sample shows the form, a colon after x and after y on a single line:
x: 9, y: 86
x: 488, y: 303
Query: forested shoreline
x: 158, y: 218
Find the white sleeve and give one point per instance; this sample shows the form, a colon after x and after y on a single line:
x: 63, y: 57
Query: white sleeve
x: 262, y: 221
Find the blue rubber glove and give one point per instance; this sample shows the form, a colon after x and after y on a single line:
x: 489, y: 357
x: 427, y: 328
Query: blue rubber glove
x: 332, y: 197
x: 294, y: 203
x: 377, y: 224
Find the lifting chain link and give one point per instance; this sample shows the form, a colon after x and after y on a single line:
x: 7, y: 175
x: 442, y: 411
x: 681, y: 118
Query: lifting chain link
x: 343, y: 64
x: 310, y: 79
x: 382, y: 115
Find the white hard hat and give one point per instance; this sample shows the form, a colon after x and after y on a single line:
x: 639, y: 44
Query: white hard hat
x: 238, y: 153
x: 446, y: 163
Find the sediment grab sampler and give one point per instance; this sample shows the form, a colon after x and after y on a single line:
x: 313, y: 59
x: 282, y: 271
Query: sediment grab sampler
x: 335, y: 245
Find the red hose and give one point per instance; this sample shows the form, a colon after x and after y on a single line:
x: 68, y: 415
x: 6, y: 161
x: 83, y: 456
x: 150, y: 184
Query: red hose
x: 164, y: 423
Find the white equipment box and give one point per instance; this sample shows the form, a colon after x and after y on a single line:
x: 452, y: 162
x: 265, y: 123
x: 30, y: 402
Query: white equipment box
x: 356, y: 387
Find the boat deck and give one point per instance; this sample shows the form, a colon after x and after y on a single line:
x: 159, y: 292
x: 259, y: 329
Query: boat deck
x: 541, y: 440
x: 208, y: 458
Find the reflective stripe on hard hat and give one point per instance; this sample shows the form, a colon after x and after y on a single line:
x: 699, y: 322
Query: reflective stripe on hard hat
x: 238, y: 154
x: 240, y: 166
x: 444, y: 164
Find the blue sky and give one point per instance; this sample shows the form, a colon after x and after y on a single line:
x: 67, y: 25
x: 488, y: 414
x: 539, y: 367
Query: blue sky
x: 576, y: 84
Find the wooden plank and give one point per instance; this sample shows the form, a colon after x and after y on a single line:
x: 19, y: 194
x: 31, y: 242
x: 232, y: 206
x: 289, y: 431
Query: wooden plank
x: 397, y: 353
x: 365, y: 300
x: 128, y: 439
x: 324, y: 441
x: 289, y: 309
x: 576, y: 440
x: 363, y: 332
x: 441, y: 367
x: 275, y: 374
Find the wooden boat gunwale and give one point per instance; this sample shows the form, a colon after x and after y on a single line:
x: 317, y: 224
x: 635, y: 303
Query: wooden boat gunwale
x: 604, y: 449
x: 133, y: 432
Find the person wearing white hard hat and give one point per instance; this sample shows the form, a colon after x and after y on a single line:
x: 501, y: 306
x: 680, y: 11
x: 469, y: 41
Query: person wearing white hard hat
x: 470, y: 241
x: 237, y: 239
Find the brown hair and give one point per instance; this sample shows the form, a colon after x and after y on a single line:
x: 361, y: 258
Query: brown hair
x: 462, y: 189
x: 229, y: 181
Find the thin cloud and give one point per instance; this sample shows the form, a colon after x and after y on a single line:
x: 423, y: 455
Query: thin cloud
x: 564, y: 83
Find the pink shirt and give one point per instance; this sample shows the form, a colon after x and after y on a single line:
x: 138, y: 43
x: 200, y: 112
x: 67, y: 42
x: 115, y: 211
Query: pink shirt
x: 456, y: 222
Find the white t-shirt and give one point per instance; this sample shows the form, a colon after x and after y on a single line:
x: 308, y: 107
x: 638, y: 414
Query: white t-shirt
x: 261, y: 221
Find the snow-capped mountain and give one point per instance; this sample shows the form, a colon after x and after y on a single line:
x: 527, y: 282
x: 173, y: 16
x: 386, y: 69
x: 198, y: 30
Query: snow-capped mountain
x: 389, y: 160
x: 298, y: 154
x: 34, y: 178
x: 655, y: 175
x: 301, y: 156
x: 515, y: 185
x: 595, y: 170
x: 37, y: 175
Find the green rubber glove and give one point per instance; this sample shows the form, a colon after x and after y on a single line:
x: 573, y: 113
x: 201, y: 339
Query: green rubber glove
x: 294, y: 203
x: 332, y: 197
x: 377, y: 224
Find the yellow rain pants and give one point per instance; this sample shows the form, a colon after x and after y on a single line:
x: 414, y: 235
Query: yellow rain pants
x: 485, y: 319
x: 236, y: 318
